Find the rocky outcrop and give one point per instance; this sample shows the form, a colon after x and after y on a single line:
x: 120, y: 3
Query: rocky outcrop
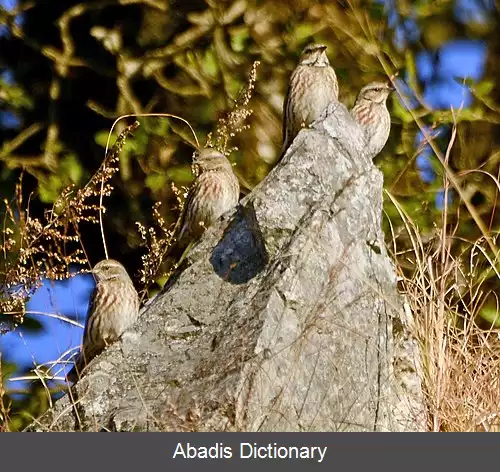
x: 285, y: 317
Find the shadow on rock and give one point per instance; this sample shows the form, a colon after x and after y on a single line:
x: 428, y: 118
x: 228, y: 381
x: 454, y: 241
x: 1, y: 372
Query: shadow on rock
x: 241, y: 253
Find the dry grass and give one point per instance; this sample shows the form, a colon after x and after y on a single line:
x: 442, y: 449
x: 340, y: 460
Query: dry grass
x: 460, y: 349
x: 449, y: 282
x: 34, y: 248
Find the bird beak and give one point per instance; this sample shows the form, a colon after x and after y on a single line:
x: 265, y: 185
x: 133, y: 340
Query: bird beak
x: 391, y: 88
x: 95, y: 274
x: 323, y: 48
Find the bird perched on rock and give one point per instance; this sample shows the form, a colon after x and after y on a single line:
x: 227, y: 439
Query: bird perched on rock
x: 370, y: 111
x: 214, y: 192
x: 113, y: 308
x: 313, y: 85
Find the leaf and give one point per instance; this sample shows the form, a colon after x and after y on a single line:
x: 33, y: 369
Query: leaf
x: 205, y: 19
x: 239, y: 38
x: 399, y: 111
x: 491, y: 315
x: 209, y: 64
x: 180, y: 174
x: 483, y: 88
x: 156, y: 181
x: 71, y: 166
x: 236, y: 10
x: 49, y: 188
x: 69, y: 172
x: 377, y: 10
x: 15, y: 95
x: 303, y: 32
x: 101, y: 138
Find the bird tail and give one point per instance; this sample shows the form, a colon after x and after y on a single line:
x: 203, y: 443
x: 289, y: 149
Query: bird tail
x: 83, y: 359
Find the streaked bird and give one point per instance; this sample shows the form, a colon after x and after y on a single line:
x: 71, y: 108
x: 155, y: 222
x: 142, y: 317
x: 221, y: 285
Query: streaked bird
x: 313, y: 85
x: 113, y: 308
x: 214, y: 191
x: 370, y: 111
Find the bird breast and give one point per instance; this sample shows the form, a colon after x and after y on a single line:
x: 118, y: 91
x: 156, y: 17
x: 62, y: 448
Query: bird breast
x: 313, y: 89
x: 215, y: 193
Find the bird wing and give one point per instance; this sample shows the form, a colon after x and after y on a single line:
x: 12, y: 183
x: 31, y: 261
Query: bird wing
x: 82, y: 358
x: 86, y: 333
x: 193, y: 190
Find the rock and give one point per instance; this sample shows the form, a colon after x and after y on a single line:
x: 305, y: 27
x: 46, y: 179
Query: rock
x: 282, y: 318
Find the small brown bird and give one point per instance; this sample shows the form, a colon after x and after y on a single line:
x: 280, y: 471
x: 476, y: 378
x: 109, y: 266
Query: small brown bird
x: 214, y: 192
x: 313, y: 85
x: 113, y: 308
x: 370, y: 111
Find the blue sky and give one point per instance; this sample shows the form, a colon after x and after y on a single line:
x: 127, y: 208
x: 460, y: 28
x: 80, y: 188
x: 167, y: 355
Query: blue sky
x: 65, y: 299
x: 9, y: 4
x: 457, y: 59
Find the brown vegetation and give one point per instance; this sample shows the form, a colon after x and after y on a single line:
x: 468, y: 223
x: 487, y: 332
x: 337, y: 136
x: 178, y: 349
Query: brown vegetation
x: 191, y: 65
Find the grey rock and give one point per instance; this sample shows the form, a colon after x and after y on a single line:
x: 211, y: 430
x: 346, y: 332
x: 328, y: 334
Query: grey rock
x: 282, y: 318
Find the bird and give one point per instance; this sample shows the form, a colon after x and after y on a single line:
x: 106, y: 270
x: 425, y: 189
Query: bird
x: 313, y: 86
x: 113, y: 308
x: 370, y: 111
x: 214, y: 191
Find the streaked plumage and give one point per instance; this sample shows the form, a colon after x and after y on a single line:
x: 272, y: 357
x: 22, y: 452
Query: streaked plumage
x: 214, y: 192
x: 370, y: 111
x: 113, y: 308
x: 313, y: 85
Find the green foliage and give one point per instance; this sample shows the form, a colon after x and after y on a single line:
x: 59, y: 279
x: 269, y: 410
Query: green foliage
x: 70, y: 172
x: 491, y: 314
x: 15, y: 96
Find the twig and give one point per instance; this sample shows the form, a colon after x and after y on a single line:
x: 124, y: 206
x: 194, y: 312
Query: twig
x: 110, y: 156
